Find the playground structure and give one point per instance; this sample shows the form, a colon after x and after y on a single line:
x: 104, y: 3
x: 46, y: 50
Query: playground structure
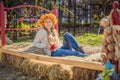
x: 38, y: 65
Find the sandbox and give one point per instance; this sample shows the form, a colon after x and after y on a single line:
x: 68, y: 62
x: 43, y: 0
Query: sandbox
x: 44, y: 67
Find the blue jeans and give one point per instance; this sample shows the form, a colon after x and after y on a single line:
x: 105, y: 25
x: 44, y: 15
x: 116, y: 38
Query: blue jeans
x: 69, y: 43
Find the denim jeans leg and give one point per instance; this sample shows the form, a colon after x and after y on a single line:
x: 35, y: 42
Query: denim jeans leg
x: 71, y: 40
x: 64, y: 52
x: 66, y: 44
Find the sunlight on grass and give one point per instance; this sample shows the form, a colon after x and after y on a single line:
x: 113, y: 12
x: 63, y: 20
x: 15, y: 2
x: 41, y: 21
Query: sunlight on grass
x: 23, y: 40
x: 90, y: 39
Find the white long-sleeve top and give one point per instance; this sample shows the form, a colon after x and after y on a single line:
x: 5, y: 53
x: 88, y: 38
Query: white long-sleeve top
x: 41, y: 41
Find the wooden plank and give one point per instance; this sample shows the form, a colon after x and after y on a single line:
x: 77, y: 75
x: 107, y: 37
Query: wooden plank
x: 82, y: 64
x: 119, y: 66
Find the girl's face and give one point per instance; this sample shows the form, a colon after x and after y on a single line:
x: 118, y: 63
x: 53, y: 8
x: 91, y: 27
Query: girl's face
x: 48, y: 23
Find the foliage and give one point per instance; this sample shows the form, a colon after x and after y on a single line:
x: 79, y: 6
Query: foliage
x: 77, y: 23
x: 23, y: 40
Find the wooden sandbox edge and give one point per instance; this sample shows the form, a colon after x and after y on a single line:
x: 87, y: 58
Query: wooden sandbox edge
x: 83, y: 64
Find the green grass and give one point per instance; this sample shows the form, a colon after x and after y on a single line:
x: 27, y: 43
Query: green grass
x: 23, y: 40
x: 90, y: 39
x: 87, y: 39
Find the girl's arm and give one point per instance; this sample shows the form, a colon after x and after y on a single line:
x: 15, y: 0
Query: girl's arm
x: 40, y: 40
x: 56, y: 35
x: 57, y: 38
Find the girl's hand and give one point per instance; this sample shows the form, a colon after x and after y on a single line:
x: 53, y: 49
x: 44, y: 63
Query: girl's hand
x: 52, y: 39
x: 48, y: 46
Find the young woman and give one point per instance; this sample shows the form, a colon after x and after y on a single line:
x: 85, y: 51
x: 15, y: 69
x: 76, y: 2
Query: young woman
x: 47, y: 39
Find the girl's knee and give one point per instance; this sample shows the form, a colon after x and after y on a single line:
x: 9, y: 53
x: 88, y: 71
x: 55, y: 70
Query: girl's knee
x: 67, y: 34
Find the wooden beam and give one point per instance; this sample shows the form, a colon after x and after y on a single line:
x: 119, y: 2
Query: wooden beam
x: 82, y: 64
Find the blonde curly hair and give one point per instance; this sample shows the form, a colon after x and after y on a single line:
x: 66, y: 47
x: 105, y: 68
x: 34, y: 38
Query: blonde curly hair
x: 47, y: 16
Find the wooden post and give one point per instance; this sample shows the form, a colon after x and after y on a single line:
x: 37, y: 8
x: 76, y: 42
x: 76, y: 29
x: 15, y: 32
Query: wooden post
x: 2, y: 24
x: 0, y: 57
x: 119, y: 66
x: 69, y: 4
x: 56, y: 14
x: 74, y: 16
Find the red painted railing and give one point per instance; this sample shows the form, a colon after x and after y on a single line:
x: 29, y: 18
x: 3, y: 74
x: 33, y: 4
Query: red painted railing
x: 2, y: 19
x: 56, y: 13
x: 2, y: 24
x: 29, y: 6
